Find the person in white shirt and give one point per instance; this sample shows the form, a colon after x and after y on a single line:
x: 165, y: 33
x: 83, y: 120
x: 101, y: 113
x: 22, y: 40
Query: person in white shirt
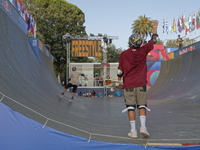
x: 74, y: 78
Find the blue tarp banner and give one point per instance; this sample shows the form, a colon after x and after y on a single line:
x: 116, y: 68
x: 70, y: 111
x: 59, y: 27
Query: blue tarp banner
x: 18, y: 132
x: 187, y: 49
x: 35, y: 45
x: 169, y: 50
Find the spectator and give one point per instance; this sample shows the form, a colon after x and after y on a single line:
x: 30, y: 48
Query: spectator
x: 179, y: 42
x: 93, y: 93
x: 96, y: 80
x: 118, y: 93
x: 100, y: 94
x: 80, y: 94
x: 100, y: 81
x: 89, y: 94
x: 84, y: 94
x: 110, y: 94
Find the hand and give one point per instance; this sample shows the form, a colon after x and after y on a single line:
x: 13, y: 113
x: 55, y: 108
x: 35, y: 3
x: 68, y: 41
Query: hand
x: 154, y: 38
x: 155, y: 25
x: 86, y: 78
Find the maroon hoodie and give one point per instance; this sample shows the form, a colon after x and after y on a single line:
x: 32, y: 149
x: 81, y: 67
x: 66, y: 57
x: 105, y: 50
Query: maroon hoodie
x: 133, y: 63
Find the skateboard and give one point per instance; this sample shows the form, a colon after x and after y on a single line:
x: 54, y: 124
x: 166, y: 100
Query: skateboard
x: 63, y: 97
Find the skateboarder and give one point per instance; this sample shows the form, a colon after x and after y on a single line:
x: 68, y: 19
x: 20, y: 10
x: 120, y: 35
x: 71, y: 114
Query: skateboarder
x: 74, y: 78
x: 133, y: 69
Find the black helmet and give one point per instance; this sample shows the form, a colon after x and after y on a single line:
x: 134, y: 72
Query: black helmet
x: 135, y: 40
x: 73, y: 68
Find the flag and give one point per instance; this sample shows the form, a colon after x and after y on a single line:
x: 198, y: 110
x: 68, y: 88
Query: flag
x: 26, y: 16
x: 187, y: 28
x: 179, y: 25
x: 170, y: 27
x: 193, y: 23
x: 35, y: 29
x: 190, y: 23
x: 29, y: 23
x: 14, y: 3
x: 174, y: 26
x: 183, y: 22
x: 21, y: 7
x: 17, y: 5
x: 166, y: 26
x: 198, y: 20
x: 24, y: 12
x: 32, y: 25
x: 163, y: 25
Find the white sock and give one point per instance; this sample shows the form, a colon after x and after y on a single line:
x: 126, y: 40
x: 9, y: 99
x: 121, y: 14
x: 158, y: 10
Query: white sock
x: 143, y: 121
x: 132, y: 125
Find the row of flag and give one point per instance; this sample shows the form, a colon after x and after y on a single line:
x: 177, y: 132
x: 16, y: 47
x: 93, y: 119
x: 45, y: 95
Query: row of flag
x: 21, y: 8
x: 184, y: 24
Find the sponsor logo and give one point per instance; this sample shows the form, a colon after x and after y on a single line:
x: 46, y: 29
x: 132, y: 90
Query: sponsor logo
x: 6, y: 5
x: 189, y: 49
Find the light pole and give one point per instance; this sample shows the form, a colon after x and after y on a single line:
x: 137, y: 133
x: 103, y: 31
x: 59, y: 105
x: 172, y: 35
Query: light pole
x: 106, y: 40
x: 67, y: 39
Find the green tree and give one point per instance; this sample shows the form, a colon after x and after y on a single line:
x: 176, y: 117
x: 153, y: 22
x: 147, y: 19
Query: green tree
x: 188, y: 41
x: 55, y: 18
x: 113, y: 54
x: 159, y: 42
x: 171, y: 44
x: 143, y: 26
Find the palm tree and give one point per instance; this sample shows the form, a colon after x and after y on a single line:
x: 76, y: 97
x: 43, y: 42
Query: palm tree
x: 143, y: 26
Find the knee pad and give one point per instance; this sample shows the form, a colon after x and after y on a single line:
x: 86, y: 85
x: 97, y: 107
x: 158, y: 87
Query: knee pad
x: 144, y: 107
x: 129, y: 108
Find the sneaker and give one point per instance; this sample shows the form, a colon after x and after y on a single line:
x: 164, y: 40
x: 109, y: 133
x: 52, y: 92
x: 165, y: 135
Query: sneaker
x: 144, y: 132
x: 133, y: 134
x: 61, y: 94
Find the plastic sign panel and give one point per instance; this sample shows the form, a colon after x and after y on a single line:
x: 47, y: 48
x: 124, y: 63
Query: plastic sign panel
x: 86, y: 48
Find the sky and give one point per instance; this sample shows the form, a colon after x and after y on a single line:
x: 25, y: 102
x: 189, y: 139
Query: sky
x: 115, y: 17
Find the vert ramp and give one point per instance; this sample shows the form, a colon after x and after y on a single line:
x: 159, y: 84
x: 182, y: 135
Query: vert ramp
x: 30, y: 88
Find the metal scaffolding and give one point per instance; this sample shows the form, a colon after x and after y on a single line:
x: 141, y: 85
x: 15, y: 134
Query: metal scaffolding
x: 106, y: 39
